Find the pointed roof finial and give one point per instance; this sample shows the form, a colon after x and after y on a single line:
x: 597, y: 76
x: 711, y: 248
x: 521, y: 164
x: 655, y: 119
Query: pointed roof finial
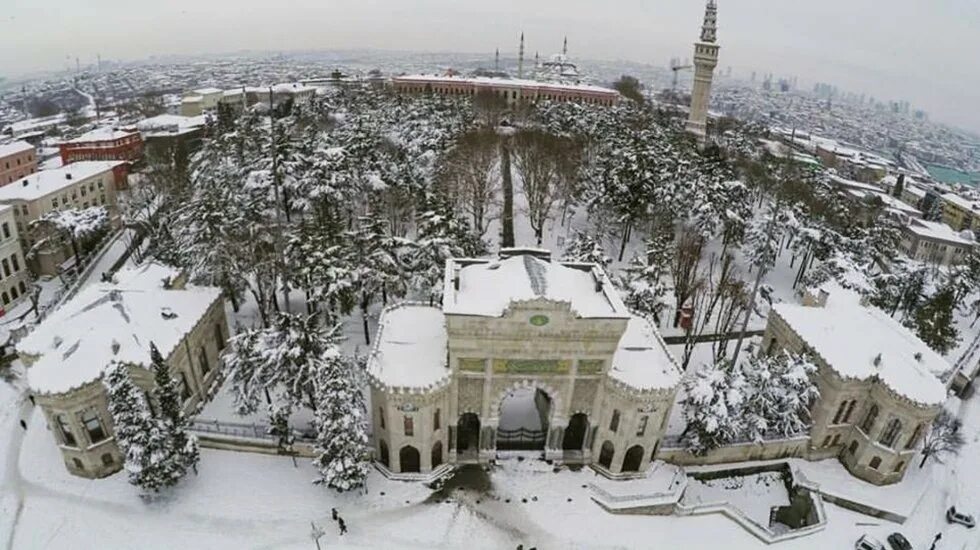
x: 564, y: 48
x: 709, y: 29
x: 496, y: 60
x: 520, y: 58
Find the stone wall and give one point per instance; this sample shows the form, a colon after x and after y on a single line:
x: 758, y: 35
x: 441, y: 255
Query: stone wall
x: 741, y: 452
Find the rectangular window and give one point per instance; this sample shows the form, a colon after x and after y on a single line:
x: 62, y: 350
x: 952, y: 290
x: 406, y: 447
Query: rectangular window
x: 185, y: 389
x: 409, y: 426
x: 83, y: 191
x: 435, y: 420
x: 219, y: 337
x: 614, y: 423
x: 642, y: 429
x: 6, y: 267
x: 6, y: 230
x: 13, y: 260
x: 381, y: 417
x: 93, y: 427
x: 66, y: 434
x: 203, y: 359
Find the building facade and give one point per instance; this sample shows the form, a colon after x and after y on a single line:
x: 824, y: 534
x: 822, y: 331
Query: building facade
x: 879, y: 390
x: 14, y: 277
x: 17, y: 159
x: 513, y: 91
x: 75, y: 186
x: 705, y: 61
x: 960, y: 213
x: 103, y: 144
x: 112, y: 323
x: 444, y: 382
x: 935, y: 243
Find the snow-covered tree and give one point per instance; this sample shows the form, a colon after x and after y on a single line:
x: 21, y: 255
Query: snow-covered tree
x: 76, y: 224
x: 342, y: 442
x: 586, y: 248
x: 780, y: 390
x: 279, y: 363
x: 440, y: 236
x: 143, y: 439
x: 714, y: 397
x: 171, y: 415
x: 934, y: 321
x: 644, y: 279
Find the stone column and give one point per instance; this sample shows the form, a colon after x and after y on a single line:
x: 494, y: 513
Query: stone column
x: 488, y: 442
x: 552, y: 445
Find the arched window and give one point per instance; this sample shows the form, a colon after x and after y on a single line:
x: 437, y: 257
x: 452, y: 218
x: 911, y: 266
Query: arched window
x: 850, y: 409
x: 107, y: 459
x: 891, y: 432
x: 899, y: 466
x: 633, y: 458
x: 409, y: 425
x: 869, y: 419
x: 916, y: 436
x: 853, y: 447
x: 435, y: 420
x: 383, y: 452
x: 840, y: 412
x: 408, y: 459
x: 606, y: 454
x: 574, y: 436
x: 875, y: 462
x: 437, y: 454
x: 381, y: 417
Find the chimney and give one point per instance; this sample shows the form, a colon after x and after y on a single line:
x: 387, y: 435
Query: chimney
x: 815, y: 298
x: 67, y: 175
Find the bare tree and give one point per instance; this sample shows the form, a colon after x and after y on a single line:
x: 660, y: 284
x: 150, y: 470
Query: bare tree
x: 718, y: 297
x: 543, y: 161
x: 473, y: 174
x: 684, y: 267
x: 943, y: 438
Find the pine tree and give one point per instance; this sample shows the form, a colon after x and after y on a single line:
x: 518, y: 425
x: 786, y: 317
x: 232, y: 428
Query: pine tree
x: 143, y: 439
x: 643, y: 279
x: 934, y: 322
x: 712, y: 406
x: 171, y: 414
x: 780, y: 390
x: 341, y: 447
x: 586, y: 248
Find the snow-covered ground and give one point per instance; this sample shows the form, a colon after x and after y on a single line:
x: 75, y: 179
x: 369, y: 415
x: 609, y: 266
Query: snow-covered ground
x: 755, y: 495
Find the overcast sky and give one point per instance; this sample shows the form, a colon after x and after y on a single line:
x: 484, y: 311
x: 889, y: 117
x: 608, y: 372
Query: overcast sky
x: 925, y: 51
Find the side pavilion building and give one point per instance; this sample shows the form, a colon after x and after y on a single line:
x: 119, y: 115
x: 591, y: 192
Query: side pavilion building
x: 601, y: 381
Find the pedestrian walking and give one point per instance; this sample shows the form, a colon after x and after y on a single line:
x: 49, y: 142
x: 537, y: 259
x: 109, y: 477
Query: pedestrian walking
x: 343, y: 526
x: 333, y: 512
x: 23, y: 424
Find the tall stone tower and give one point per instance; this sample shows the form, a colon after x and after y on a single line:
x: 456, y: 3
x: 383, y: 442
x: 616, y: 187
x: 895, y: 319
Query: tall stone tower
x: 520, y: 59
x: 705, y: 61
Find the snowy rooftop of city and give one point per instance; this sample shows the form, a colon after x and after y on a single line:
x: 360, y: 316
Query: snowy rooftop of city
x: 642, y: 359
x: 8, y: 149
x: 513, y: 82
x: 938, y: 231
x: 206, y: 91
x: 410, y: 351
x: 112, y: 322
x: 852, y: 338
x: 106, y: 133
x: 488, y: 287
x: 45, y: 182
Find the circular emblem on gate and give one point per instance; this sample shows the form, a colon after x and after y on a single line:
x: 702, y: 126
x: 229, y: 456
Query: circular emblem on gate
x: 539, y: 320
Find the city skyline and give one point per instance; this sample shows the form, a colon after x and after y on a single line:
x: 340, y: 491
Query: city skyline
x: 915, y: 53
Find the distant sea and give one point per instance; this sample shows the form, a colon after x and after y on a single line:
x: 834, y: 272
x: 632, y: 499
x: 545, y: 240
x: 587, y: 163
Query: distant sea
x: 946, y: 174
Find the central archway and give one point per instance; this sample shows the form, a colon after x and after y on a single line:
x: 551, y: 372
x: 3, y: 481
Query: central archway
x: 468, y: 436
x: 574, y: 438
x: 525, y: 414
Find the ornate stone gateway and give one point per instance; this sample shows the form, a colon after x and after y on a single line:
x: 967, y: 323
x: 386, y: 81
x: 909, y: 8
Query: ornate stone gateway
x: 525, y: 354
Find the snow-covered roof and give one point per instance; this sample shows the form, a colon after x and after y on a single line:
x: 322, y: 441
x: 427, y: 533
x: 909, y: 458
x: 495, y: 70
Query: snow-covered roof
x: 642, y: 360
x: 13, y: 148
x: 506, y: 83
x: 937, y: 232
x: 410, y: 348
x: 851, y: 338
x: 206, y: 91
x: 113, y: 322
x: 965, y: 204
x: 101, y: 134
x: 45, y: 182
x: 856, y: 185
x: 165, y: 122
x: 292, y: 87
x: 488, y: 288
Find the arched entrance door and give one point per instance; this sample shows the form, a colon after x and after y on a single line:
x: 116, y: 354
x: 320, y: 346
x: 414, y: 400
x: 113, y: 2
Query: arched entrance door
x: 633, y: 458
x: 606, y: 454
x: 408, y: 457
x: 437, y: 454
x: 468, y: 436
x: 524, y: 418
x: 383, y: 451
x: 574, y: 439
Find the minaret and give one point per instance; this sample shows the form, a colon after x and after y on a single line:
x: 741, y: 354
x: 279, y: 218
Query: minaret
x: 564, y: 48
x: 705, y: 61
x: 496, y: 61
x: 520, y: 59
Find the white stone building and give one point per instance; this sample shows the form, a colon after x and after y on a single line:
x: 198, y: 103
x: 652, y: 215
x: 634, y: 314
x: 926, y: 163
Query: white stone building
x: 14, y: 276
x: 115, y: 323
x: 935, y: 243
x: 525, y: 354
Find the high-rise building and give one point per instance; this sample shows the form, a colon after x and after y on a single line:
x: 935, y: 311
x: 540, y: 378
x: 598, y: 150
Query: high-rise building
x: 705, y: 61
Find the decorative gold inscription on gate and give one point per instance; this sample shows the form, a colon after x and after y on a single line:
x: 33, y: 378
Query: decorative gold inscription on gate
x: 531, y: 366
